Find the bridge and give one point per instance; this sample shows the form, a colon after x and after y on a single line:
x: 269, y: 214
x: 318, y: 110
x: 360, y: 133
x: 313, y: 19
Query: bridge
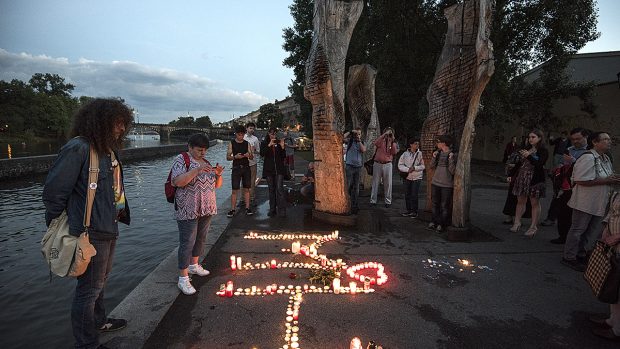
x: 166, y: 130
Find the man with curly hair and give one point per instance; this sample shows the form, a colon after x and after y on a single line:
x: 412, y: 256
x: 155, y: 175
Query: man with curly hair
x: 101, y: 124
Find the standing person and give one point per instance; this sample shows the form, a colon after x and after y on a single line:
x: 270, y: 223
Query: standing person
x: 592, y: 175
x: 290, y: 146
x: 561, y: 179
x: 308, y: 182
x: 382, y: 167
x: 529, y: 180
x: 354, y: 149
x: 559, y: 148
x: 273, y: 154
x: 240, y: 152
x: 195, y: 206
x: 442, y: 185
x: 559, y: 151
x: 255, y: 144
x: 610, y: 328
x: 101, y: 124
x: 412, y: 162
x: 510, y: 148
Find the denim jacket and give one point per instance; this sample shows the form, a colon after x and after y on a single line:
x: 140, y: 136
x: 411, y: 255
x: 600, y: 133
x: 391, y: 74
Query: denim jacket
x: 65, y: 188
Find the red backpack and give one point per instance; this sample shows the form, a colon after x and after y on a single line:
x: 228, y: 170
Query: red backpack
x: 168, y: 187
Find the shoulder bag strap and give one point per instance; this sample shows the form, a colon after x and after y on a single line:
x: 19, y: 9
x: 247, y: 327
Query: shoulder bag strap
x: 93, y: 176
x: 186, y: 159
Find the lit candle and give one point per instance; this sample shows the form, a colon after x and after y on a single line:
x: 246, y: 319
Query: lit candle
x: 295, y: 247
x: 353, y: 287
x: 229, y: 288
x: 239, y: 265
x: 366, y: 283
x: 233, y: 263
x: 339, y: 262
x: 336, y: 234
x: 336, y: 285
x: 356, y: 343
x: 304, y: 250
x: 312, y: 250
x: 268, y: 289
x: 273, y: 264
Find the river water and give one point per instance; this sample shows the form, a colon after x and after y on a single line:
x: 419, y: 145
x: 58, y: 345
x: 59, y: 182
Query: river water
x: 36, y: 313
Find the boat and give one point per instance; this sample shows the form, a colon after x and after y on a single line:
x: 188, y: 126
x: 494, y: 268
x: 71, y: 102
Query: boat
x: 140, y: 135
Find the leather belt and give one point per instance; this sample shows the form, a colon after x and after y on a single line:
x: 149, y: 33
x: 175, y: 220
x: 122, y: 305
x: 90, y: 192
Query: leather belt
x: 383, y: 163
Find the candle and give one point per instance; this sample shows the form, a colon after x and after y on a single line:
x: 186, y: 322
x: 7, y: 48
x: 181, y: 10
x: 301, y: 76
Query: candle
x: 229, y: 288
x: 239, y: 265
x: 339, y: 262
x: 323, y: 260
x: 356, y: 343
x: 304, y: 250
x: 353, y: 287
x: 312, y: 250
x: 273, y: 264
x: 268, y: 289
x: 366, y: 283
x: 336, y: 285
x: 233, y: 263
x: 336, y: 234
x: 296, y: 247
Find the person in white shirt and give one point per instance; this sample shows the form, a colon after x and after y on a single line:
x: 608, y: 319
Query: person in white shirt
x: 411, y: 162
x: 255, y: 143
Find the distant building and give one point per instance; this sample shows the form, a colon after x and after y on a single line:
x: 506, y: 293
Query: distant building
x: 289, y: 108
x: 602, y: 68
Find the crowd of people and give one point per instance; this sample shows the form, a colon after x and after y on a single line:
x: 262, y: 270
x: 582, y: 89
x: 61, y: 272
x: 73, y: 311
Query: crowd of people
x: 585, y: 200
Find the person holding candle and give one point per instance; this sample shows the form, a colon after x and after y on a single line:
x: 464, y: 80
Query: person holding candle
x: 195, y: 206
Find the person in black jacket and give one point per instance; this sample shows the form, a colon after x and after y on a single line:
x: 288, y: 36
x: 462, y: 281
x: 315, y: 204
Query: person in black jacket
x: 273, y: 152
x: 529, y: 180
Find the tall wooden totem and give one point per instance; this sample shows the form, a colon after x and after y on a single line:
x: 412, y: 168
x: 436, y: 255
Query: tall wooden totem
x: 333, y: 22
x: 463, y: 71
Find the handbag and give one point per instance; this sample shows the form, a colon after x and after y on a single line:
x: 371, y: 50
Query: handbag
x: 603, y: 273
x: 370, y: 163
x: 405, y: 174
x: 65, y: 254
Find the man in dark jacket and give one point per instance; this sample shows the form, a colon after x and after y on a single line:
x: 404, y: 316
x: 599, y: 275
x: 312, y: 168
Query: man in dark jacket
x: 273, y: 152
x: 101, y: 124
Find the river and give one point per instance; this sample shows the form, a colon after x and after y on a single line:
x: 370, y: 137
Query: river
x: 36, y: 313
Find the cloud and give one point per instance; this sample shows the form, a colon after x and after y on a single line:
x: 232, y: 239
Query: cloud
x: 159, y: 94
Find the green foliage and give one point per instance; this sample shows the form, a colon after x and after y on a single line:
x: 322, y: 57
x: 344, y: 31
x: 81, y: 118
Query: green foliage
x: 403, y: 39
x: 323, y: 276
x: 183, y: 121
x: 270, y: 116
x: 41, y: 107
x: 204, y: 122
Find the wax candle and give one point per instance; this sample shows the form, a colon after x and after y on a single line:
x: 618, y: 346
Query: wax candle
x: 353, y: 287
x: 336, y: 285
x: 296, y: 247
x: 233, y: 263
x: 273, y: 264
x: 229, y: 288
x: 356, y: 343
x: 239, y: 265
x: 366, y: 283
x: 339, y: 262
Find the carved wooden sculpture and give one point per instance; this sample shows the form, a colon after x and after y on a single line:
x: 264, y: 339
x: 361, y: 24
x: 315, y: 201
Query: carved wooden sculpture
x: 361, y: 100
x: 464, y: 68
x: 334, y: 22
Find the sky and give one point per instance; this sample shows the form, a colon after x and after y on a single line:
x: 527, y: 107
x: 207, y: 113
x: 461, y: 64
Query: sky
x: 169, y: 59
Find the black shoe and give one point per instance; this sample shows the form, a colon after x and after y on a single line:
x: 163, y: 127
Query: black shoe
x: 599, y: 322
x: 407, y: 214
x: 112, y: 325
x: 230, y: 213
x: 248, y: 211
x: 574, y: 264
x: 558, y: 241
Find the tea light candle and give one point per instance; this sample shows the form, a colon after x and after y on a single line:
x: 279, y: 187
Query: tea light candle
x: 353, y: 287
x: 273, y: 264
x: 356, y: 343
x: 233, y: 263
x: 295, y: 247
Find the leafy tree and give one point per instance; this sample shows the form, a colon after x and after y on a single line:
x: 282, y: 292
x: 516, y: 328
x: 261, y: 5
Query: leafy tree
x: 270, y: 116
x: 204, y: 122
x: 51, y: 84
x: 183, y: 121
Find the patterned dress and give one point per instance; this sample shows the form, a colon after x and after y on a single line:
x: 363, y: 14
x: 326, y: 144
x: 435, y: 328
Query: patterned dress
x: 197, y: 198
x: 523, y: 182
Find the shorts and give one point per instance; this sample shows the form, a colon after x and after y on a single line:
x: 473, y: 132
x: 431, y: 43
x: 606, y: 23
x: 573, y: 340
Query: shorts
x: 290, y: 161
x: 241, y: 173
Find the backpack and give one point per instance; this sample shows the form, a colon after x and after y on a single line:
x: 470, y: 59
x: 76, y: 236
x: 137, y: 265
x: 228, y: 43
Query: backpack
x: 169, y: 189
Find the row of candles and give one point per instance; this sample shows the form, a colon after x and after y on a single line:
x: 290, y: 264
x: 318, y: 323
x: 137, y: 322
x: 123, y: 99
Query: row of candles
x: 236, y: 264
x: 228, y: 289
x: 323, y: 237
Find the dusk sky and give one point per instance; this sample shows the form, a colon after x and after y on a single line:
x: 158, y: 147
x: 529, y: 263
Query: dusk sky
x: 205, y: 57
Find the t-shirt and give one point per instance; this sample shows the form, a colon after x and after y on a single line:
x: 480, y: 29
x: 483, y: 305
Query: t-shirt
x: 592, y: 200
x: 197, y: 198
x: 353, y: 155
x: 255, y: 143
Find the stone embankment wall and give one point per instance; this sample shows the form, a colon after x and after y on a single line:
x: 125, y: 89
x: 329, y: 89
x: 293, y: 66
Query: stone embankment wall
x: 32, y: 165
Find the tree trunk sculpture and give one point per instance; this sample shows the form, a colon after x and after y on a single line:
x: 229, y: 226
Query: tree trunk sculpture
x: 464, y: 68
x: 334, y: 22
x: 361, y: 100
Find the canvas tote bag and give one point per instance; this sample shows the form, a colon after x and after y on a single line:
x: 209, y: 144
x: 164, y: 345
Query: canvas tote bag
x: 65, y: 254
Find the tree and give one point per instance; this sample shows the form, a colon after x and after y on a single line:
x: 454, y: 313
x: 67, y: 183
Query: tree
x: 204, y: 122
x: 270, y: 116
x: 51, y: 84
x: 183, y: 121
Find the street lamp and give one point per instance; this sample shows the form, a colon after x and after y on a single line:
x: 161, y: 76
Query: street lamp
x: 137, y: 115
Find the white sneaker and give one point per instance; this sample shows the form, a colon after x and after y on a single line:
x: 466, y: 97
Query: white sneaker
x: 198, y: 270
x: 185, y: 286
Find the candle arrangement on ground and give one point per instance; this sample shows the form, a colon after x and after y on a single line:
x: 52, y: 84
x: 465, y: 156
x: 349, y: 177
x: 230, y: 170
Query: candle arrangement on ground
x: 323, y: 270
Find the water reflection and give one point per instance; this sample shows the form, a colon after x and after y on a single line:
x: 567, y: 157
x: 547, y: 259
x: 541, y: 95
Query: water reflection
x: 36, y: 312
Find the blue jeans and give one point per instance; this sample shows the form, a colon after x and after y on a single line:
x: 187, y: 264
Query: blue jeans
x: 442, y: 204
x: 411, y: 195
x: 192, y: 238
x: 276, y: 193
x: 87, y: 310
x: 353, y: 184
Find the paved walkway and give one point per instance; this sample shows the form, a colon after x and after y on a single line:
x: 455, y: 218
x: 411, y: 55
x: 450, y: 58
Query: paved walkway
x: 514, y: 293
